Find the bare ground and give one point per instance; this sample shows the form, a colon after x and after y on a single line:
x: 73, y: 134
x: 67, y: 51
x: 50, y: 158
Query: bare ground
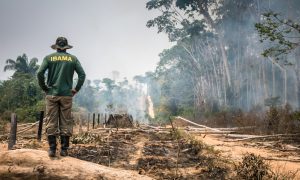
x: 35, y: 164
x: 282, y: 160
x: 155, y: 154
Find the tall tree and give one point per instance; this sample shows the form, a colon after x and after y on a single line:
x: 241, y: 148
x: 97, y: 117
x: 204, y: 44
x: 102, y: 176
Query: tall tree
x: 22, y: 65
x: 189, y: 22
x: 218, y: 49
x: 281, y: 37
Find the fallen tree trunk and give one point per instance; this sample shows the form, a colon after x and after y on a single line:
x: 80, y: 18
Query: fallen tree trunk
x: 212, y: 132
x: 262, y: 137
x: 186, y: 120
x: 241, y: 136
x: 236, y: 128
x: 35, y: 164
x: 222, y: 129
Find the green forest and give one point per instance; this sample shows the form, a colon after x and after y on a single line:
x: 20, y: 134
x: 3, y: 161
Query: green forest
x: 231, y: 62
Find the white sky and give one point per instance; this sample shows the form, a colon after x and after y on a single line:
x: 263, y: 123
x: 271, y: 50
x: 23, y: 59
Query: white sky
x: 107, y: 35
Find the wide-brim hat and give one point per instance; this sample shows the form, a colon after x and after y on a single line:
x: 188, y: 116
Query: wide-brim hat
x: 61, y: 43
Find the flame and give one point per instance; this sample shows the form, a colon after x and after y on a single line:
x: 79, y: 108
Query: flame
x: 150, y: 107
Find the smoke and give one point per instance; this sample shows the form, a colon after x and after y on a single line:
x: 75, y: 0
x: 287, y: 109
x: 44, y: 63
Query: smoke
x: 114, y: 97
x: 192, y: 76
x: 195, y: 75
x: 256, y: 79
x: 264, y: 78
x: 123, y: 97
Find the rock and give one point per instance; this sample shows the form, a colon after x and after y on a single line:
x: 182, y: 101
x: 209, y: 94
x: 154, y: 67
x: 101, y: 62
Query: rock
x: 35, y: 164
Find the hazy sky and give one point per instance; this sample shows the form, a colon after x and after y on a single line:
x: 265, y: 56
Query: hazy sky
x: 107, y: 35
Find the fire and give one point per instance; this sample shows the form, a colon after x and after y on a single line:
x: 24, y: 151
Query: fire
x: 150, y: 107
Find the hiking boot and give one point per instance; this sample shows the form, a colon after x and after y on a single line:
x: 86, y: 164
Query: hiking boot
x: 52, y: 145
x: 64, y: 145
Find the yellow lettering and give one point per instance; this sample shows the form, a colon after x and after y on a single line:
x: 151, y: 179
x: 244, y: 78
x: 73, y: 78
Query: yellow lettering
x: 64, y: 58
x: 61, y: 58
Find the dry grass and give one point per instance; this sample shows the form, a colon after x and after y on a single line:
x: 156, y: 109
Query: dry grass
x: 280, y: 173
x: 2, y: 127
x: 275, y: 120
x: 86, y: 138
x: 32, y: 144
x: 253, y: 167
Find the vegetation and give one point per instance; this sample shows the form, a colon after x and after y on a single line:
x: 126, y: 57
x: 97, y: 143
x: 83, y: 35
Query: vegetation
x: 22, y: 65
x: 216, y: 63
x: 21, y: 93
x: 284, y: 34
x: 86, y: 96
x: 253, y: 167
x: 256, y: 168
x: 233, y: 63
x: 214, y: 69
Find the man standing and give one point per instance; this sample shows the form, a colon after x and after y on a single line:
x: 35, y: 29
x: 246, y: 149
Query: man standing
x: 61, y: 67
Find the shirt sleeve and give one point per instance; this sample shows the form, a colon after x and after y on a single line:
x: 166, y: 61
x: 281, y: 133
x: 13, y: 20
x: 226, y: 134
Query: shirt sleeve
x: 81, y: 75
x: 41, y: 75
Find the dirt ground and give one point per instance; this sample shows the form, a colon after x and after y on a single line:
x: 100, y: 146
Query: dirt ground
x: 170, y: 155
x: 282, y: 160
x: 154, y: 154
x: 30, y: 164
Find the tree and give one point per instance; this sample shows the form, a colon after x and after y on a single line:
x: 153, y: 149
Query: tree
x: 283, y: 40
x: 188, y: 24
x: 217, y: 50
x: 21, y: 94
x: 282, y: 34
x: 22, y: 65
x: 97, y: 83
x: 86, y: 97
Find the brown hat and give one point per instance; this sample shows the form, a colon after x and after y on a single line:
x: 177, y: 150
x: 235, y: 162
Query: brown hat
x: 61, y: 43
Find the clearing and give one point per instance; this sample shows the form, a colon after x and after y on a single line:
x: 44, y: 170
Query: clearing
x: 148, y: 152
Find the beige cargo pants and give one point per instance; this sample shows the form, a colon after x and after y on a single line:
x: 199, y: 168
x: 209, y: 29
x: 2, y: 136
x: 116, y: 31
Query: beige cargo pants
x: 59, y: 120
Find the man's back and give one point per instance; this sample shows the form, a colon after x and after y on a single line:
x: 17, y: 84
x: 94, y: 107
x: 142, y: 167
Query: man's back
x: 61, y: 67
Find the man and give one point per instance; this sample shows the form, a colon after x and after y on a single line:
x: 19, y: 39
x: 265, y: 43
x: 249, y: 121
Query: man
x: 61, y: 67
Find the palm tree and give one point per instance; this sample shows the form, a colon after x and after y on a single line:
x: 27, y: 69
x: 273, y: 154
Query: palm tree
x: 21, y: 65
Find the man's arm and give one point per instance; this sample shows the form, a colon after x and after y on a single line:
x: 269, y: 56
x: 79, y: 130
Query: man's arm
x: 41, y: 75
x: 81, y: 75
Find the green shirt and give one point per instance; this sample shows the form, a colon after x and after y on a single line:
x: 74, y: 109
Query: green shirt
x: 61, y: 67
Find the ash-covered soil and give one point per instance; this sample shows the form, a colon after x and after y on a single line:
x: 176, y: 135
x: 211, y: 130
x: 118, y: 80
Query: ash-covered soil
x: 160, y: 155
x: 172, y: 154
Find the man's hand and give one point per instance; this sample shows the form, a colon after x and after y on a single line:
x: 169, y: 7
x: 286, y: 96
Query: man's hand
x: 73, y: 92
